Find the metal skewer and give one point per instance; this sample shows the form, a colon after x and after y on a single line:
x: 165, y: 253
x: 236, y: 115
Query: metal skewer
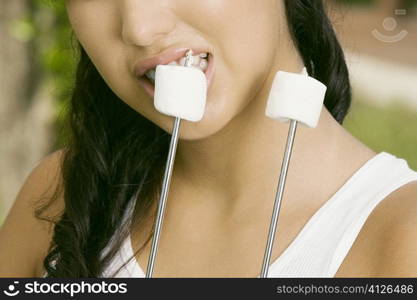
x: 166, y: 183
x: 278, y: 198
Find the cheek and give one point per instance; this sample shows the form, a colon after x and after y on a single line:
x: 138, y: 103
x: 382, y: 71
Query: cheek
x: 97, y: 27
x: 243, y: 31
x: 92, y: 23
x: 244, y: 34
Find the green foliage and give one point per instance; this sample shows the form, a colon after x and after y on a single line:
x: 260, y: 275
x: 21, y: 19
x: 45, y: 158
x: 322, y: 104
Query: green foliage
x: 22, y: 29
x: 55, y: 49
x: 392, y: 129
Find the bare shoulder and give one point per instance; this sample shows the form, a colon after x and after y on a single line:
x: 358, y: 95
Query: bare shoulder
x: 25, y: 238
x: 398, y: 257
x: 386, y: 245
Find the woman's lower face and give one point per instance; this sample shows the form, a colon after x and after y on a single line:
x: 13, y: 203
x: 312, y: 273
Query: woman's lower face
x: 247, y: 40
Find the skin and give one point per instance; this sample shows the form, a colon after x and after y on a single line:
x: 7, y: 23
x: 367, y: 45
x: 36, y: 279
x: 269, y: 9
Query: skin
x: 227, y: 165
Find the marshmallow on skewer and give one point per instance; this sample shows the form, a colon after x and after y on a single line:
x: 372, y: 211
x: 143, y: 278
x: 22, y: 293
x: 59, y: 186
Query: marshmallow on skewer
x: 180, y: 92
x: 296, y: 97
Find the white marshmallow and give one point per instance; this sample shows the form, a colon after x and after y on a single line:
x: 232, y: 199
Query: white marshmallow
x: 180, y: 92
x: 296, y: 96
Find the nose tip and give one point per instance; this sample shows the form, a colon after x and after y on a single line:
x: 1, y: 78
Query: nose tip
x: 141, y: 26
x: 139, y: 36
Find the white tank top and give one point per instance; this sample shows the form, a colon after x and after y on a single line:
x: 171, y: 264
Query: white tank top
x: 320, y: 247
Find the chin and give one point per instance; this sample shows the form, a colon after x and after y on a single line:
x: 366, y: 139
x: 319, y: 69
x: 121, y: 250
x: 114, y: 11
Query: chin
x: 192, y: 132
x: 214, y: 120
x: 203, y: 129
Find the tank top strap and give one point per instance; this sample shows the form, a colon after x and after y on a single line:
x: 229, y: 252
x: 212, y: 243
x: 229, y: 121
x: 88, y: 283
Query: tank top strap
x: 320, y: 247
x: 322, y: 244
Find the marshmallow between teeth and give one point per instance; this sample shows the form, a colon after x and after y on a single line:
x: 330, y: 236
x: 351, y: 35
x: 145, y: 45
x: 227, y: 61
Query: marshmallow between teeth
x: 180, y: 92
x: 297, y: 97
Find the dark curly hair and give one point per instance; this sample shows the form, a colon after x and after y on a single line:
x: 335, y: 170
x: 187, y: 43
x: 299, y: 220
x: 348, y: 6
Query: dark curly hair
x: 115, y: 156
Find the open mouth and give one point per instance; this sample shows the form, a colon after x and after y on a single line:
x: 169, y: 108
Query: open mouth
x: 147, y: 80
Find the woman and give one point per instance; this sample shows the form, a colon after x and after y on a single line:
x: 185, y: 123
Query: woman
x: 347, y: 211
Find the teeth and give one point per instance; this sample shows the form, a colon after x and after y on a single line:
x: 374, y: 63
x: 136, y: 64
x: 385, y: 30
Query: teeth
x: 199, y: 61
x: 196, y: 59
x: 182, y: 60
x: 203, y: 64
x: 150, y: 74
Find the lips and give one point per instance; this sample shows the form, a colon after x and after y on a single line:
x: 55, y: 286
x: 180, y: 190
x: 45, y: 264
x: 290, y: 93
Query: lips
x: 165, y: 58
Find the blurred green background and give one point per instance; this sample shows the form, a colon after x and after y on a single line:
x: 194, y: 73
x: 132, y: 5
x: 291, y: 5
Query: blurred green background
x: 37, y: 65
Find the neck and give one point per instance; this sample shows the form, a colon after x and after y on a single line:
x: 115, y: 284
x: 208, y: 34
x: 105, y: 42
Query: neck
x: 242, y: 161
